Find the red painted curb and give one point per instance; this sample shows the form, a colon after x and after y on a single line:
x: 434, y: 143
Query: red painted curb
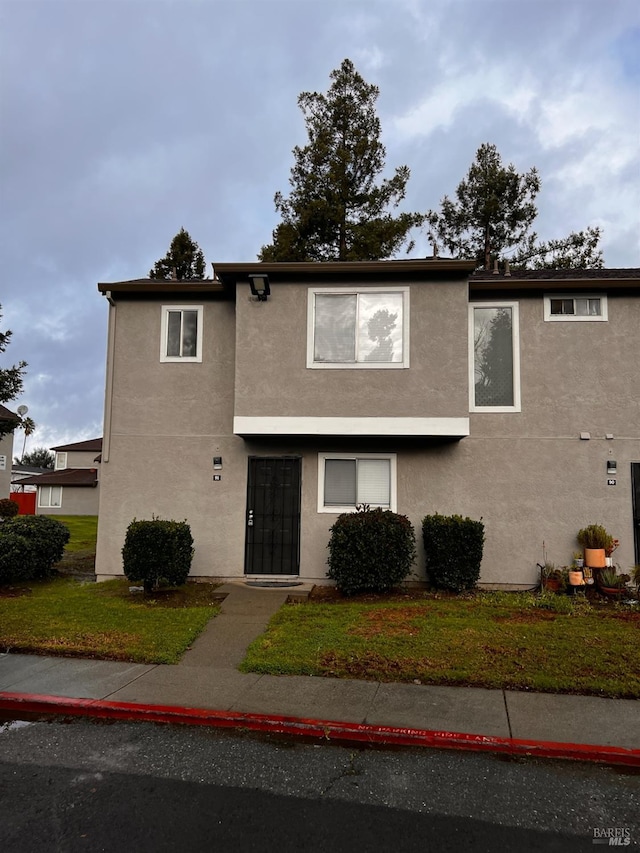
x: 322, y: 729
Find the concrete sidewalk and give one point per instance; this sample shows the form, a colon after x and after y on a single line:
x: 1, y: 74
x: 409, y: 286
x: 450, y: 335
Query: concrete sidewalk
x: 207, y: 688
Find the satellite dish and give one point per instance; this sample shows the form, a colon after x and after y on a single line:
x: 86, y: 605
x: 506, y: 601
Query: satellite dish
x: 22, y: 410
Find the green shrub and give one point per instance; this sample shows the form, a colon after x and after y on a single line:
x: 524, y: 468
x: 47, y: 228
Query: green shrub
x: 8, y: 508
x: 47, y: 536
x: 157, y: 552
x: 18, y: 557
x: 453, y: 549
x: 370, y: 551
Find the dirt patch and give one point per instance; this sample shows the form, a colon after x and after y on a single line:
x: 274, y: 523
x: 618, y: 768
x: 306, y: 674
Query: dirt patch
x: 395, y: 621
x: 14, y: 591
x: 189, y: 595
x: 366, y: 666
x: 530, y: 617
x: 330, y: 595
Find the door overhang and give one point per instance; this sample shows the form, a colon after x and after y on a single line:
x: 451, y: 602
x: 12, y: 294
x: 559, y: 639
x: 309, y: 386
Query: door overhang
x: 365, y: 427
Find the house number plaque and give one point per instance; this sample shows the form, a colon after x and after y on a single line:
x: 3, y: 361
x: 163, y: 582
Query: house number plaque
x: 611, y: 482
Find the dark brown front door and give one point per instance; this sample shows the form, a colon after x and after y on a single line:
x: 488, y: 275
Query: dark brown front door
x: 273, y: 516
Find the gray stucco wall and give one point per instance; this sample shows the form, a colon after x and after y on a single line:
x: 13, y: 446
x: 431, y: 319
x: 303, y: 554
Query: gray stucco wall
x: 6, y: 450
x: 527, y: 474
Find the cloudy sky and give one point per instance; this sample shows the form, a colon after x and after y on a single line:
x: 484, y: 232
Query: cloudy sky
x: 123, y: 120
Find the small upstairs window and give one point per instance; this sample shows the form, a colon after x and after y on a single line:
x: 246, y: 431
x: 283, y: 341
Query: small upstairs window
x: 571, y: 307
x: 181, y: 333
x: 61, y: 459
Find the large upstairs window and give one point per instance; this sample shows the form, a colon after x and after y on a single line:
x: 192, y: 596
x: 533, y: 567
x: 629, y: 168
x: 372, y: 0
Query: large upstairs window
x: 358, y: 329
x: 494, y: 358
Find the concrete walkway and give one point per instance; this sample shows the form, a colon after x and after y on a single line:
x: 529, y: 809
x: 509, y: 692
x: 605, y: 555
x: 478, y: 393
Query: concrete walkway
x: 207, y: 687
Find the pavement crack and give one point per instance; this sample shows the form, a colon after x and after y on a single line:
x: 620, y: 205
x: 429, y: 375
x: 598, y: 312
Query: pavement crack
x: 506, y: 710
x: 349, y: 771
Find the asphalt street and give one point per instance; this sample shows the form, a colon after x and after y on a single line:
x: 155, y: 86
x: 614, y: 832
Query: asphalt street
x: 80, y: 785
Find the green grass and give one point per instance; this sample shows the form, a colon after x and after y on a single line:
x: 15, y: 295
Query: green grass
x: 65, y: 617
x: 83, y: 529
x: 511, y: 641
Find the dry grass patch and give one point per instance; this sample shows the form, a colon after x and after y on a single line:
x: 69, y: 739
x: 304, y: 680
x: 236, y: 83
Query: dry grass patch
x: 63, y: 616
x: 515, y: 641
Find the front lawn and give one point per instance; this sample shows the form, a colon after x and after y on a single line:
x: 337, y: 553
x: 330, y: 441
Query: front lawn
x: 83, y: 530
x: 65, y: 617
x: 512, y: 641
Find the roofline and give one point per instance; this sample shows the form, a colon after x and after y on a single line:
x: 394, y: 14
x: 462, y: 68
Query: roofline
x: 574, y: 283
x: 281, y: 272
x: 150, y: 286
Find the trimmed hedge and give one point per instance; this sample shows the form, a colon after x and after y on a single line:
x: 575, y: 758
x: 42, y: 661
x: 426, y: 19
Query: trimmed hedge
x: 157, y: 552
x: 453, y: 549
x: 8, y: 508
x: 370, y: 551
x: 30, y: 546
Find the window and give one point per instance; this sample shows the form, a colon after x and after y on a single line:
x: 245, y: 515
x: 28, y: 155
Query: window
x: 364, y: 329
x: 345, y: 480
x: 181, y: 333
x: 61, y: 460
x: 566, y: 307
x: 494, y: 360
x: 50, y: 496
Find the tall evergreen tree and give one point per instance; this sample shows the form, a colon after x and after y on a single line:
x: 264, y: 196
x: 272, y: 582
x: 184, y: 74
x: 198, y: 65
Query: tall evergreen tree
x: 11, y: 382
x: 338, y: 209
x: 493, y: 215
x: 184, y: 261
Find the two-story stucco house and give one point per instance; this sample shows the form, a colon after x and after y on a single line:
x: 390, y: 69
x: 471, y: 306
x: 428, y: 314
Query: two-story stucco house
x: 72, y: 488
x: 414, y: 385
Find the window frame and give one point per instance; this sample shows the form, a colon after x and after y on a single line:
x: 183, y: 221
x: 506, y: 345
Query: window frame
x: 393, y: 478
x: 573, y: 318
x: 515, y: 341
x: 61, y: 457
x: 41, y: 490
x: 357, y: 365
x: 181, y: 359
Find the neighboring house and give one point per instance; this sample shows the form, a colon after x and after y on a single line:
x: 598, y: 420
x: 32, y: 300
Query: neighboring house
x: 413, y: 385
x: 73, y: 487
x: 6, y: 450
x: 20, y: 472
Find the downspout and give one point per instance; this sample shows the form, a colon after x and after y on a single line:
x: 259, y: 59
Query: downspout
x: 108, y: 393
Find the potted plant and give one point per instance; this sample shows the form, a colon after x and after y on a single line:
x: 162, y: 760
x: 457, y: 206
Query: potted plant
x: 595, y: 540
x: 612, y: 584
x: 609, y: 551
x: 578, y: 559
x: 551, y: 578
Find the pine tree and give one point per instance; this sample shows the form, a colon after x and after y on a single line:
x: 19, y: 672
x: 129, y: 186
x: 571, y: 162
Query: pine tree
x: 184, y: 261
x: 11, y: 382
x: 493, y: 215
x: 338, y: 209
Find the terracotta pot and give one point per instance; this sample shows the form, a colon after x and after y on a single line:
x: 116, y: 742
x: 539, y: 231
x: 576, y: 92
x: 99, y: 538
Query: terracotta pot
x: 576, y: 578
x: 552, y: 584
x: 594, y: 558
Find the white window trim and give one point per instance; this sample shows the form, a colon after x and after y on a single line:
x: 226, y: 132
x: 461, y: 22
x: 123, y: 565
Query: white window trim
x: 163, y: 335
x: 515, y: 317
x: 61, y: 460
x: 41, y: 491
x: 338, y: 510
x: 573, y: 318
x: 363, y: 365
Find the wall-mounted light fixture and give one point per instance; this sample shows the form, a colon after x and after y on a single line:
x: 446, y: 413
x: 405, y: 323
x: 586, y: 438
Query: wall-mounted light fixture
x: 259, y: 284
x: 217, y: 462
x: 612, y: 467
